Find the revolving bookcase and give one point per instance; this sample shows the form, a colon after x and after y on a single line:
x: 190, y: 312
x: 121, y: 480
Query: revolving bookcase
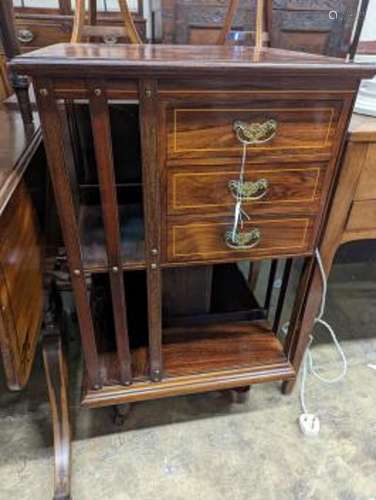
x: 145, y: 146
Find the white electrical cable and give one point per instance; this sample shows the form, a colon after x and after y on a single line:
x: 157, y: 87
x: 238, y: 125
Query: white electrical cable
x: 239, y: 213
x: 308, y: 361
x: 309, y: 423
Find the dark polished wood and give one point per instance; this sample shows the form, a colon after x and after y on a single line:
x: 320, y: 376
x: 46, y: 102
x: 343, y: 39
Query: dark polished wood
x: 104, y: 158
x: 151, y: 199
x: 203, y: 238
x: 205, y: 129
x: 197, y: 190
x: 21, y: 289
x: 56, y: 370
x: 53, y: 139
x: 198, y: 359
x: 174, y: 61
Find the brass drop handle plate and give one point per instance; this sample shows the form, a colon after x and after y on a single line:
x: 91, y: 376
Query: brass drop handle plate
x: 25, y: 36
x: 255, y: 133
x: 248, y: 191
x: 243, y: 240
x: 110, y: 39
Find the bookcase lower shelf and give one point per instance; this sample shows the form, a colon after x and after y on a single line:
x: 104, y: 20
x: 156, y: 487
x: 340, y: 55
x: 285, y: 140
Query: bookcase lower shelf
x: 197, y: 359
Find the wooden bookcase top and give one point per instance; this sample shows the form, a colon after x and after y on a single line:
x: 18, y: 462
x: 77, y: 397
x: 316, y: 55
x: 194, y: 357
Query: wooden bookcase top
x: 179, y: 59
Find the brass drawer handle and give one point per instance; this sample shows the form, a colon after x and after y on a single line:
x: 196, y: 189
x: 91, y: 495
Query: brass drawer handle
x: 110, y: 39
x: 25, y: 36
x: 249, y: 191
x: 243, y: 240
x: 255, y: 133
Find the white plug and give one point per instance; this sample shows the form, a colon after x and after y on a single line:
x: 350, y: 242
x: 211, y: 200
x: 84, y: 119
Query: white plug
x: 309, y: 424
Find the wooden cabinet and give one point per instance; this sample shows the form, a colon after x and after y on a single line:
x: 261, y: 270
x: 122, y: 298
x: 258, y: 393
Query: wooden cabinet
x: 143, y: 188
x: 146, y: 149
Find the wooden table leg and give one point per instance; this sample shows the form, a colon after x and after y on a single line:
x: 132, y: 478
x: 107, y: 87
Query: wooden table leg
x: 333, y: 237
x: 55, y: 365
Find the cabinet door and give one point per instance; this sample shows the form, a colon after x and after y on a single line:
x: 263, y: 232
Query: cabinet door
x: 21, y: 291
x: 319, y: 26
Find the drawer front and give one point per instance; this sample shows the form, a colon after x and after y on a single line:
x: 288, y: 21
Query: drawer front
x: 206, y: 129
x: 200, y: 239
x: 32, y: 34
x: 270, y: 190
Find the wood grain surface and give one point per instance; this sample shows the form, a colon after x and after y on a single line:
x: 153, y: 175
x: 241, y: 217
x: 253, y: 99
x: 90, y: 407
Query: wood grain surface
x: 206, y: 190
x: 195, y: 239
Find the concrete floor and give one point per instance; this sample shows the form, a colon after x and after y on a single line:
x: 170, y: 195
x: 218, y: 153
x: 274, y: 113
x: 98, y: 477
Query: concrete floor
x: 207, y: 447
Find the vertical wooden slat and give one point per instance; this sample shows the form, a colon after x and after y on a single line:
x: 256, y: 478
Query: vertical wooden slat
x: 260, y: 12
x: 54, y: 145
x: 93, y: 12
x: 151, y: 183
x: 282, y: 295
x: 101, y: 127
x: 78, y: 21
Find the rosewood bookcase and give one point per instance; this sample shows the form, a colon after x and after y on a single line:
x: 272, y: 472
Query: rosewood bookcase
x: 144, y: 145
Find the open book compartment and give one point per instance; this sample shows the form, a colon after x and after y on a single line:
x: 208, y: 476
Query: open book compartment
x: 125, y: 139
x: 137, y: 319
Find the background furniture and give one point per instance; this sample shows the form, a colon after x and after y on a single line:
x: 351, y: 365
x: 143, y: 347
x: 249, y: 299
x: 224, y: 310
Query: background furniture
x: 109, y: 34
x: 146, y: 208
x: 11, y: 47
x: 294, y: 25
x: 353, y: 212
x: 260, y: 34
x: 39, y: 26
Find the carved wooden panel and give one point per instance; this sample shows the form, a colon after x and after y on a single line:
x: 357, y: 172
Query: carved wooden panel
x: 199, y: 21
x: 322, y: 26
